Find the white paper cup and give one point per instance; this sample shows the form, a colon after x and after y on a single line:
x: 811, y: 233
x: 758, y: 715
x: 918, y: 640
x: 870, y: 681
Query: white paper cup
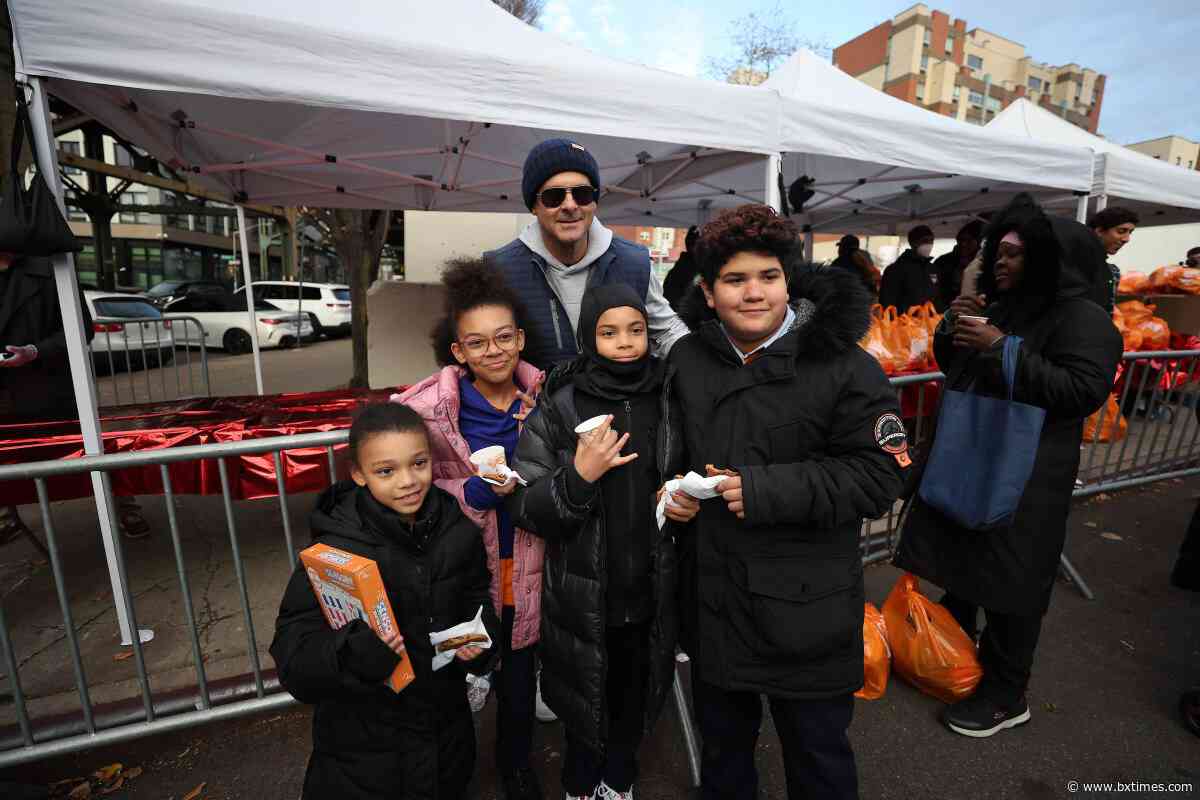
x: 489, y: 459
x: 589, y: 425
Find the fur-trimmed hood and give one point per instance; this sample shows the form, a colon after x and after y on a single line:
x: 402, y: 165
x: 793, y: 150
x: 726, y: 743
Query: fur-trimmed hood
x: 833, y: 312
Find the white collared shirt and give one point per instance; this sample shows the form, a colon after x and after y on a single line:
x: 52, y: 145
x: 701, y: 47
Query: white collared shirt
x: 788, y: 320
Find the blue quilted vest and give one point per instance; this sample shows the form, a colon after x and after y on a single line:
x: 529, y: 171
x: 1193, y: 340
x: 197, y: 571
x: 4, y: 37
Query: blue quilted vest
x: 550, y: 339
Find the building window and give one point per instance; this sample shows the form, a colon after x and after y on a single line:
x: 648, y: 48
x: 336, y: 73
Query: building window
x: 974, y: 62
x: 135, y: 199
x: 924, y: 63
x: 992, y: 103
x: 957, y: 92
x: 1035, y: 84
x: 920, y: 90
x: 1178, y: 160
x: 74, y: 149
x: 74, y: 213
x: 122, y: 156
x: 1189, y: 165
x: 928, y: 37
x: 975, y: 98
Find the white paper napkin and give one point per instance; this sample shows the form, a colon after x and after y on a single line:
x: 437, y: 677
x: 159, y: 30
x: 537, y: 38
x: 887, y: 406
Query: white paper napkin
x: 694, y: 484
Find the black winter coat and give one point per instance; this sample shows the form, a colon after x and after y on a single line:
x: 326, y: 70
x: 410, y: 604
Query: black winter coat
x: 949, y: 279
x: 774, y: 603
x: 1067, y: 364
x: 369, y: 742
x: 1084, y: 255
x: 910, y: 281
x: 30, y: 314
x: 574, y: 597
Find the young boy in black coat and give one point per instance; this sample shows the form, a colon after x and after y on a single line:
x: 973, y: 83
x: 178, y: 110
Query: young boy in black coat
x: 775, y: 390
x: 368, y: 741
x: 609, y: 620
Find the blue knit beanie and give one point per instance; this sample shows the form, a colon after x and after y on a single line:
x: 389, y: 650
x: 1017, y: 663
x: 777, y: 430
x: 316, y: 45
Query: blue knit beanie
x: 549, y: 159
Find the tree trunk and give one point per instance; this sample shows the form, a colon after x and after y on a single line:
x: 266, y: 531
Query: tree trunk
x: 359, y: 237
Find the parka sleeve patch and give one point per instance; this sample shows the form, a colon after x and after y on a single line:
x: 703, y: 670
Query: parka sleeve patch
x: 892, y: 438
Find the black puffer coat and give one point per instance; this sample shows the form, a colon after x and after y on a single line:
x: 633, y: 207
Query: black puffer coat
x: 774, y: 603
x: 1067, y: 364
x: 572, y: 650
x: 30, y: 314
x: 369, y: 742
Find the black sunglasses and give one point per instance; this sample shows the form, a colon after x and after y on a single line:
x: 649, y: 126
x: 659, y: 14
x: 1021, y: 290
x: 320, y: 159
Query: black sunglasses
x: 553, y: 198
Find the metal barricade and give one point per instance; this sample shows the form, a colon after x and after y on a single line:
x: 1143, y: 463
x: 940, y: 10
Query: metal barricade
x: 137, y: 371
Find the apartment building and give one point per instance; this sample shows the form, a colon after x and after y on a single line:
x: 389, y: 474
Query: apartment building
x: 1172, y: 149
x: 929, y: 59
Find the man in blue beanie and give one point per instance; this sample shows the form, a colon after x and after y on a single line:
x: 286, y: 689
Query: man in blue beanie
x: 566, y: 249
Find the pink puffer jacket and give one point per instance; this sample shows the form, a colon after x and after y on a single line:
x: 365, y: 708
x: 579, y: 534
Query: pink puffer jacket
x: 436, y: 399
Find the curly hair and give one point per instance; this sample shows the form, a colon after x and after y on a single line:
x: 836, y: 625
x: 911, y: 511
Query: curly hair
x: 750, y: 228
x: 1043, y: 253
x: 471, y: 283
x: 1112, y: 217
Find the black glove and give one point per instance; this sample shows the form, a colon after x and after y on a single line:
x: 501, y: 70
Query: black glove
x: 365, y: 655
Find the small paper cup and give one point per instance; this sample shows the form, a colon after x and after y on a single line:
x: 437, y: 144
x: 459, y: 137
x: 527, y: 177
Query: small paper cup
x: 589, y: 425
x: 489, y: 459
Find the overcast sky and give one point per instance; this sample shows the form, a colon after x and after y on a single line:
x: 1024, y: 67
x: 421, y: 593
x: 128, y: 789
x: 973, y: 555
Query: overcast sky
x: 1149, y: 50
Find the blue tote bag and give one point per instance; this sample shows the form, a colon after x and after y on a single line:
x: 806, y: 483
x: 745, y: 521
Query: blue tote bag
x: 983, y: 453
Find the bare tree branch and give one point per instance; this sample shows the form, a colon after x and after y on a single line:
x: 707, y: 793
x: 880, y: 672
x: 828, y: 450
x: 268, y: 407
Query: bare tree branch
x: 762, y: 41
x: 528, y: 11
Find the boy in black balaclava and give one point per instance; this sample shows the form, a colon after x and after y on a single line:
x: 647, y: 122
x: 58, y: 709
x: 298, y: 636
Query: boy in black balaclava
x: 609, y: 619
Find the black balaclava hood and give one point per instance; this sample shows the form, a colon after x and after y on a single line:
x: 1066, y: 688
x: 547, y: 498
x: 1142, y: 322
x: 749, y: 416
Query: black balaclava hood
x: 603, y: 377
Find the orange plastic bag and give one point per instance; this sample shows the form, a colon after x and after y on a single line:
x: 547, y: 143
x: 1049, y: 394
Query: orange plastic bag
x: 1134, y: 311
x: 877, y: 655
x: 1112, y: 429
x: 929, y: 649
x: 928, y: 315
x: 915, y: 342
x: 1156, y: 334
x: 1163, y: 279
x: 1187, y: 280
x: 878, y: 342
x: 1132, y: 339
x: 1134, y: 283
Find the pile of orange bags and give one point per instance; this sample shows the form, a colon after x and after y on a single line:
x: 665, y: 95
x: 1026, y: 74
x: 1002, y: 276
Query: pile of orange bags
x: 929, y: 649
x: 877, y: 655
x: 1136, y: 319
x: 1112, y: 429
x: 902, y: 342
x: 1174, y: 280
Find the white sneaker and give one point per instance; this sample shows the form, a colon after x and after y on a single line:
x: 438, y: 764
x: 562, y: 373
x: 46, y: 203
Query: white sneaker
x: 606, y: 792
x: 541, y: 710
x: 478, y: 687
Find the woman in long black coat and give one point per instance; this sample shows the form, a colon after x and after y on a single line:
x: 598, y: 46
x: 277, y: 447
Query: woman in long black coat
x: 1067, y: 363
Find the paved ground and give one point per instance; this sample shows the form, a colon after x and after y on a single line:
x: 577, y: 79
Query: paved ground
x: 316, y: 366
x: 1103, y: 696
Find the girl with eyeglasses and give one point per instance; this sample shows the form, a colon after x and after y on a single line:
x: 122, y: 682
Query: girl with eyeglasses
x: 478, y: 399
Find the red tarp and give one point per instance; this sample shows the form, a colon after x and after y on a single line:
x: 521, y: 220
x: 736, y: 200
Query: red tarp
x: 181, y: 423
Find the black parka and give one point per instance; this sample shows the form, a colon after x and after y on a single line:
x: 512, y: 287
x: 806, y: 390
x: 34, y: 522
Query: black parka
x: 910, y: 281
x: 369, y: 742
x: 30, y: 314
x: 574, y: 601
x: 1067, y: 364
x: 774, y: 603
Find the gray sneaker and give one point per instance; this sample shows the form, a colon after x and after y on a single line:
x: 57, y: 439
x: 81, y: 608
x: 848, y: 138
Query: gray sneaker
x: 542, y: 711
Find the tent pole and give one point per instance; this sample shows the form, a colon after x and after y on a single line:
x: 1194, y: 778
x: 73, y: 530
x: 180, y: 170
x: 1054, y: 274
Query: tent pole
x: 809, y: 240
x: 1101, y: 202
x: 771, y: 195
x: 1081, y: 209
x: 258, y: 379
x: 78, y: 354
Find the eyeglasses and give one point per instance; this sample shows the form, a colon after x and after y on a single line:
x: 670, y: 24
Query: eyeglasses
x: 553, y: 198
x: 478, y: 345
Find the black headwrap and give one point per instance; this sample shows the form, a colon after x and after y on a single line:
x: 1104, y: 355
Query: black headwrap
x: 603, y: 377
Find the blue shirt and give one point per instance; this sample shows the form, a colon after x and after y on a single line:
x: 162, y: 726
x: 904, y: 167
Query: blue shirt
x: 483, y: 425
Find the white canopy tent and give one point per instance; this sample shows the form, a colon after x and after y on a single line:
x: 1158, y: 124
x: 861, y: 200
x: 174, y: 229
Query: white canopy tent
x: 880, y: 164
x: 1161, y: 193
x: 358, y: 104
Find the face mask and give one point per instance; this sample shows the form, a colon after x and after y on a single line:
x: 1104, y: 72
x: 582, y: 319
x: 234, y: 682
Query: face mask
x: 924, y: 250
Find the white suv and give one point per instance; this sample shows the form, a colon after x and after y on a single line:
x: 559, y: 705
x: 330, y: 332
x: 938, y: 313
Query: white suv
x: 326, y: 304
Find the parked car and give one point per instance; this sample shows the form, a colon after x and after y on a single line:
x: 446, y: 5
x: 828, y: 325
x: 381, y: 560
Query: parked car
x: 167, y: 291
x: 326, y: 304
x: 226, y: 325
x: 129, y: 332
